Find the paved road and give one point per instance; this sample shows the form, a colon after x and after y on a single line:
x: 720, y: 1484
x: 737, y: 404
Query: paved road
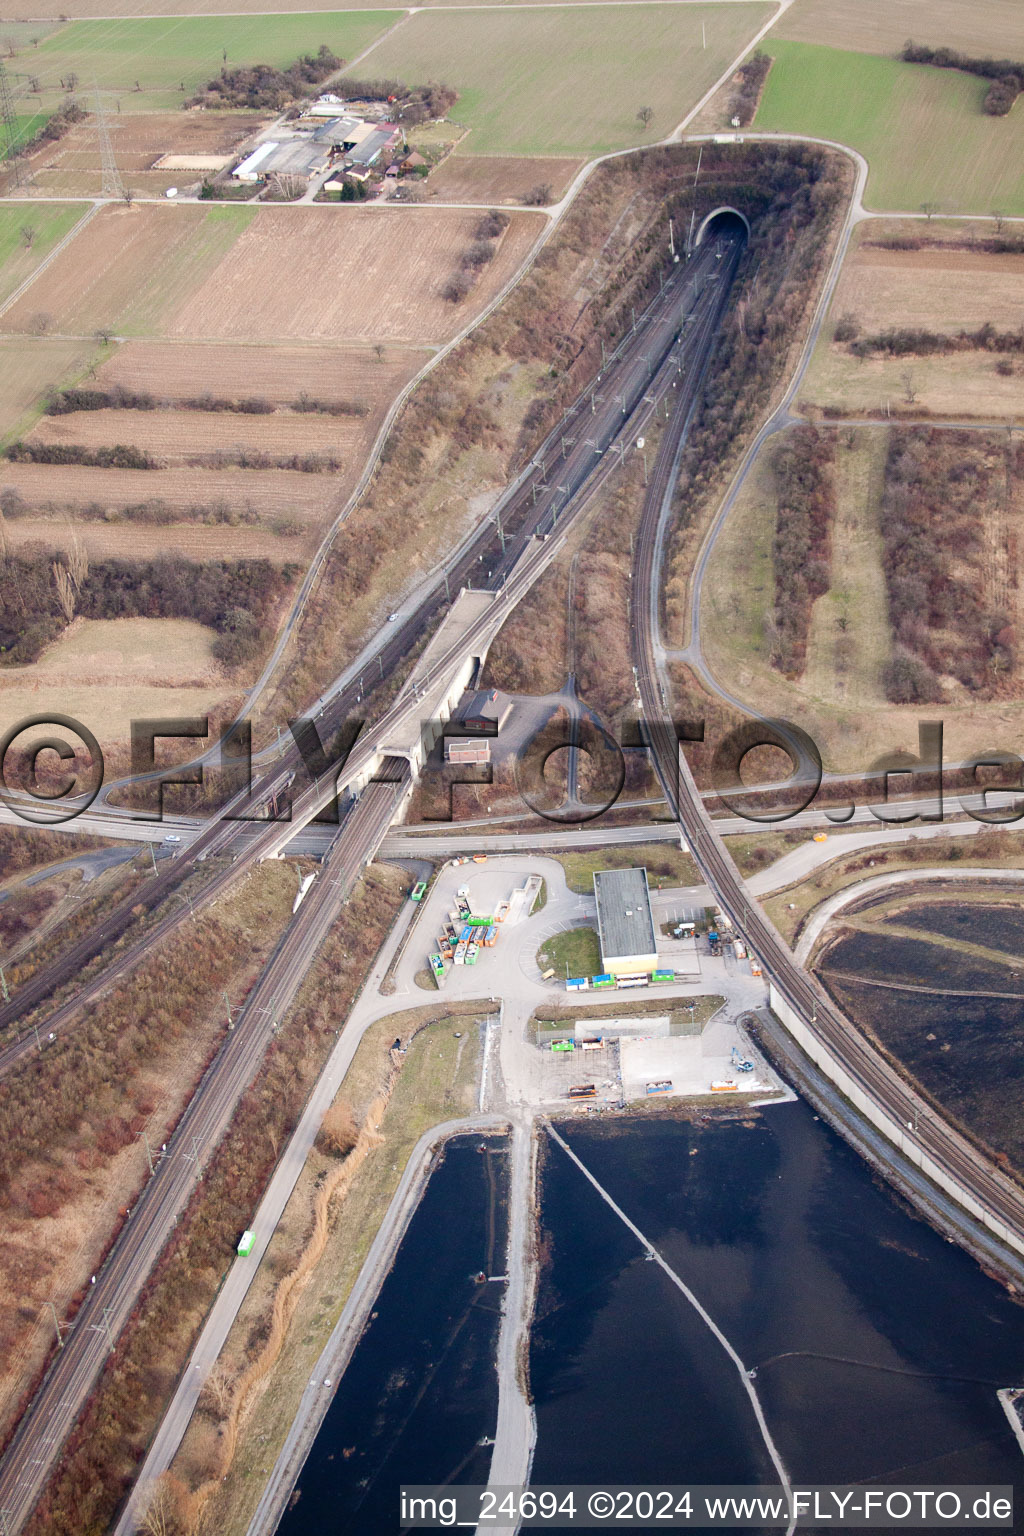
x: 108, y: 1304
x: 644, y: 361
x: 1000, y: 1201
x: 317, y: 1397
x: 516, y: 1433
x: 887, y: 881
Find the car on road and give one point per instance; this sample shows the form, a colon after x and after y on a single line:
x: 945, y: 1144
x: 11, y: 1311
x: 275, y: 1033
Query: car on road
x: 392, y: 618
x: 172, y: 837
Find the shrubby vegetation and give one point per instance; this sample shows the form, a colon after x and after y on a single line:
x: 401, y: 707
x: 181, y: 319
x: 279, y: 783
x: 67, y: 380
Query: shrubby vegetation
x: 234, y: 597
x: 118, y: 456
x: 905, y: 341
x: 409, y: 105
x: 753, y: 75
x: 938, y: 489
x: 67, y: 401
x: 261, y: 87
x: 102, y: 1453
x: 1007, y: 77
x: 804, y: 469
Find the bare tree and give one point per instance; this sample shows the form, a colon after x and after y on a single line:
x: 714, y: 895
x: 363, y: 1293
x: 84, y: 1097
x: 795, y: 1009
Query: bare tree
x: 998, y: 217
x: 218, y: 1390
x: 9, y: 47
x: 40, y: 322
x: 77, y: 558
x: 907, y: 380
x: 378, y: 347
x: 644, y: 116
x: 28, y: 234
x: 928, y: 209
x: 104, y: 335
x: 65, y: 589
x: 287, y: 186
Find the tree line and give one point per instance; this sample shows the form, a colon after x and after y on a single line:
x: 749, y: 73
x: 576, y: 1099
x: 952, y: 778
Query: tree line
x: 1006, y: 76
x: 906, y: 340
x: 261, y: 87
x: 68, y: 401
x: 940, y: 487
x: 234, y: 597
x: 804, y: 470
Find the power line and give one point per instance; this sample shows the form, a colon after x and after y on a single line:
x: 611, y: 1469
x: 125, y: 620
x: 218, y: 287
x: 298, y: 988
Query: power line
x: 10, y: 130
x: 112, y: 185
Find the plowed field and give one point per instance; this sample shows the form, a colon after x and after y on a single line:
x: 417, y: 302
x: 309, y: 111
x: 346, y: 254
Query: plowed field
x: 270, y: 493
x: 73, y: 162
x: 174, y: 371
x: 339, y: 273
x: 499, y: 178
x: 135, y: 541
x: 178, y: 435
x: 356, y: 274
x: 128, y: 268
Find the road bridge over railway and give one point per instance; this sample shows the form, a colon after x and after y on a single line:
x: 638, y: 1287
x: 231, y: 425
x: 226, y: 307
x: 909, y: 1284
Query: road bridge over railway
x: 659, y: 354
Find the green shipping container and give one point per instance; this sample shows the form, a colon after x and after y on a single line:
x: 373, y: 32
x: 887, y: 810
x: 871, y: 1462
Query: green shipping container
x: 562, y: 1045
x: 245, y: 1246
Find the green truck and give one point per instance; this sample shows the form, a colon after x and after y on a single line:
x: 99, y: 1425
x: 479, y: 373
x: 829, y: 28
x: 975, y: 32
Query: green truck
x: 245, y: 1246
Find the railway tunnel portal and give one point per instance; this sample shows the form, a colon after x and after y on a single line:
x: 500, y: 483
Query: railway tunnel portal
x: 722, y: 221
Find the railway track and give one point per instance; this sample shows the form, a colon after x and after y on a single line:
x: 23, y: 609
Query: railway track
x: 1001, y: 1199
x: 569, y: 462
x: 649, y: 360
x: 110, y: 1301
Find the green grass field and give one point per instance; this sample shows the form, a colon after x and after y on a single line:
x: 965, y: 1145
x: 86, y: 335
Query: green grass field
x: 922, y: 130
x: 26, y: 126
x: 46, y: 223
x: 565, y: 80
x: 162, y: 54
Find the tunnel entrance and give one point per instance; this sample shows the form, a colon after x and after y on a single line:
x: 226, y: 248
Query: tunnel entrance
x: 723, y: 221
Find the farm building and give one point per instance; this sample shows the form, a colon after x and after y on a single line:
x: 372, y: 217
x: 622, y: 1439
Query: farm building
x: 343, y: 134
x: 384, y: 137
x: 485, y: 712
x: 254, y: 166
x: 625, y: 925
x: 324, y: 106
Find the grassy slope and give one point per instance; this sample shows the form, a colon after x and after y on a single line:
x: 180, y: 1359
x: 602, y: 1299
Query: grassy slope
x: 922, y: 130
x: 551, y: 82
x: 162, y: 53
x: 51, y: 223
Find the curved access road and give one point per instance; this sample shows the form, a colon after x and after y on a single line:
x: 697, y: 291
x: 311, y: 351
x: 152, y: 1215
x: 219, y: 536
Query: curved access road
x: 823, y: 915
x: 981, y: 1189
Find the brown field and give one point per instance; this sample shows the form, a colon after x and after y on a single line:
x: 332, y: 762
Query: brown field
x: 107, y: 711
x: 348, y: 273
x: 230, y: 272
x: 933, y: 288
x: 174, y: 436
x: 883, y: 26
x: 166, y: 653
x: 936, y: 289
x: 174, y: 371
x: 499, y: 178
x: 72, y: 164
x: 193, y: 541
x: 27, y: 368
x: 128, y: 267
x: 270, y: 493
